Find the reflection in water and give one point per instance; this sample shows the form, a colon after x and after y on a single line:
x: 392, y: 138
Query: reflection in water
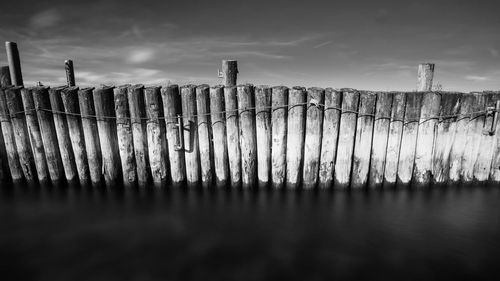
x: 77, y: 233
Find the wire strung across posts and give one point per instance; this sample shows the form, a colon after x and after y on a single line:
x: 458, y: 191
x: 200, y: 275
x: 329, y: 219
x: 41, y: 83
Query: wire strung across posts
x: 472, y: 115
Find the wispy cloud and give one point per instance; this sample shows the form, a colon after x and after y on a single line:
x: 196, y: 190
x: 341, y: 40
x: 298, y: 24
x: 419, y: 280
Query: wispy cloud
x: 476, y: 78
x: 322, y: 44
x: 45, y: 19
x: 141, y: 55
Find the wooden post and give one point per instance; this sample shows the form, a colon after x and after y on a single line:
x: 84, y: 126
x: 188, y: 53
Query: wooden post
x: 3, y: 158
x: 70, y: 72
x: 229, y: 72
x: 295, y: 139
x: 248, y: 143
x: 204, y: 135
x: 473, y: 139
x: 155, y: 135
x: 409, y: 138
x: 221, y: 164
x: 104, y: 109
x: 380, y: 138
x: 394, y: 139
x: 233, y: 139
x: 124, y: 135
x: 422, y: 172
x: 487, y: 143
x: 445, y: 136
x: 312, y: 142
x: 74, y: 124
x: 347, y: 130
x: 137, y: 109
x: 279, y: 118
x: 9, y: 138
x: 14, y: 63
x: 425, y: 76
x: 5, y: 77
x: 459, y: 145
x: 89, y: 125
x: 62, y: 133
x: 363, y: 140
x: 331, y: 124
x: 173, y: 107
x: 263, y: 131
x: 191, y: 152
x: 35, y: 135
x: 20, y: 133
x: 48, y: 134
x: 495, y: 162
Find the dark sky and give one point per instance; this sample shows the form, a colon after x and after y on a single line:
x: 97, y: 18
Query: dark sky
x: 361, y: 44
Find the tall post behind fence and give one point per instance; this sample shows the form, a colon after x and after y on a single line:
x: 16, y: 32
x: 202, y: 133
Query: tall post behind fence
x: 70, y: 72
x: 229, y: 72
x: 14, y: 63
x: 425, y: 77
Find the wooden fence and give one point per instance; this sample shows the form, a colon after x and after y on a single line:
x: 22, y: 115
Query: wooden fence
x: 248, y: 135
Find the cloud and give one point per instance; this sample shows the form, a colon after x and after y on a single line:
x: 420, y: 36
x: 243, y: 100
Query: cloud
x: 322, y: 44
x: 477, y: 78
x: 493, y: 52
x: 45, y: 19
x: 141, y: 55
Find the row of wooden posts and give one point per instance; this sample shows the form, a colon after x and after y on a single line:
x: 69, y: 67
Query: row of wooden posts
x: 245, y: 135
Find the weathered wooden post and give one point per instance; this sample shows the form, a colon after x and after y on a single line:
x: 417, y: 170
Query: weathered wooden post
x: 473, y: 139
x: 312, y: 143
x: 48, y: 134
x: 221, y: 164
x: 459, y: 144
x: 155, y: 135
x: 35, y: 135
x: 124, y: 135
x: 89, y: 125
x: 445, y: 136
x: 296, y: 132
x: 495, y: 162
x: 487, y: 141
x: 70, y: 72
x: 380, y: 139
x: 422, y: 172
x: 233, y: 139
x: 425, y: 76
x: 173, y: 109
x: 191, y: 150
x: 248, y: 143
x: 20, y: 133
x: 331, y: 124
x: 104, y: 109
x: 347, y: 130
x: 62, y: 133
x: 229, y: 72
x: 14, y: 63
x: 363, y: 140
x: 394, y: 140
x: 16, y: 173
x: 137, y: 111
x: 5, y: 76
x: 279, y: 118
x: 409, y: 138
x: 69, y: 97
x: 204, y: 135
x: 263, y: 131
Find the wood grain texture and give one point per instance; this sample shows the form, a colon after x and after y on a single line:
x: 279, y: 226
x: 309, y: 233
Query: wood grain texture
x: 474, y: 136
x: 124, y: 136
x: 9, y: 140
x: 263, y: 131
x: 312, y: 142
x: 137, y: 111
x: 191, y: 152
x: 233, y: 135
x: 5, y: 76
x: 296, y: 124
x: 248, y: 142
x: 279, y: 120
x: 221, y: 161
x: 394, y: 140
x: 487, y: 143
x: 204, y: 134
x: 459, y: 144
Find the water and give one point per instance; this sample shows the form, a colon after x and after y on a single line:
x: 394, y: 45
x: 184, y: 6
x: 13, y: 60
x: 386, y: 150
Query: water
x: 175, y: 234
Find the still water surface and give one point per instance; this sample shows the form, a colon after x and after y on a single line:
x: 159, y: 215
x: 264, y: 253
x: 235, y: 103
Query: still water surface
x: 177, y: 234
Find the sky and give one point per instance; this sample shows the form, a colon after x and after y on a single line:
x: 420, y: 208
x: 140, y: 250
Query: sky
x: 372, y: 45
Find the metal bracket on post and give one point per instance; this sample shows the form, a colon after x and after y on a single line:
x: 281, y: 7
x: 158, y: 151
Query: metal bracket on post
x: 492, y: 111
x: 179, y: 145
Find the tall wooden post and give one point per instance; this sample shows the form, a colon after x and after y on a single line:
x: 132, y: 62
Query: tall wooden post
x: 263, y: 130
x: 137, y: 108
x: 229, y: 72
x: 314, y: 128
x: 70, y: 72
x: 279, y: 118
x: 124, y: 135
x: 191, y: 149
x: 104, y: 109
x: 5, y: 76
x: 425, y: 76
x: 9, y: 138
x: 204, y: 134
x: 221, y: 164
x: 233, y: 139
x: 155, y: 135
x: 71, y: 106
x: 14, y: 63
x: 295, y: 140
x: 248, y: 143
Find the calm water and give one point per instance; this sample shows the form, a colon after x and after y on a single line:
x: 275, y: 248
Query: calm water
x: 83, y: 234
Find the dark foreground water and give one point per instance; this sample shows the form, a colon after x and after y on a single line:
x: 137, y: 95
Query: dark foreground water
x: 83, y: 234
